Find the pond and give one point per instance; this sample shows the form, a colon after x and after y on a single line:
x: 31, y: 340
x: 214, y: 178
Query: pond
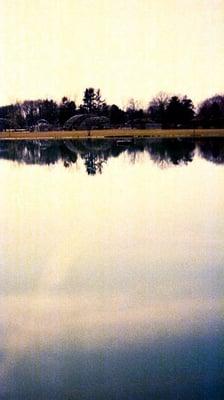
x: 111, y: 278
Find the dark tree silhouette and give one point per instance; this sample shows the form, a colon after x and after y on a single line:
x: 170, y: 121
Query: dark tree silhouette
x: 13, y: 115
x: 157, y: 108
x: 89, y: 100
x: 48, y: 110
x: 116, y: 115
x: 187, y: 112
x: 16, y: 117
x: 135, y: 115
x: 30, y: 111
x: 169, y: 112
x: 173, y: 112
x: 100, y: 105
x: 179, y: 112
x: 67, y: 109
x: 93, y: 102
x: 211, y: 112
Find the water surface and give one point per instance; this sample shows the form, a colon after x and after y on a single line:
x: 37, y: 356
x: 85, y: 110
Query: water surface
x: 111, y: 277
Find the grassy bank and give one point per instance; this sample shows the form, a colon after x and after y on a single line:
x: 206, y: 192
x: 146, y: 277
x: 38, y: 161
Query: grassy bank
x: 151, y: 133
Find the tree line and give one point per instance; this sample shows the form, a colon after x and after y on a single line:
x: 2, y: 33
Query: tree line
x: 163, y: 111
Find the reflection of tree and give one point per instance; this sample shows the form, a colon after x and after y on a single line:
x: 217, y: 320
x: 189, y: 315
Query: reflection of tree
x: 96, y: 152
x: 37, y: 152
x: 93, y: 163
x: 172, y: 151
x: 212, y: 150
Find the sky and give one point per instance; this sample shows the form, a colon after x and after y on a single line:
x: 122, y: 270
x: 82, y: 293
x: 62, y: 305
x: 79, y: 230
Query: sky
x: 127, y: 48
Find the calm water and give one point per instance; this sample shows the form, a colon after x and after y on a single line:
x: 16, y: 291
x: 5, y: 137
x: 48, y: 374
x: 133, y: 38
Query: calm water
x: 111, y: 278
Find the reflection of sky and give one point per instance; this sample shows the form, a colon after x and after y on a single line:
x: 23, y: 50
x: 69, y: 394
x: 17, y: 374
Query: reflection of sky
x: 118, y: 259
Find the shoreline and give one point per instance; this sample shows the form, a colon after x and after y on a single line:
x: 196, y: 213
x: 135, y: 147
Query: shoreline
x: 113, y: 133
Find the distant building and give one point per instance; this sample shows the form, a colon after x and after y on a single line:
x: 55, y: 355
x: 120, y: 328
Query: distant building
x: 42, y: 126
x: 86, y: 122
x: 143, y: 123
x: 74, y: 122
x: 153, y: 125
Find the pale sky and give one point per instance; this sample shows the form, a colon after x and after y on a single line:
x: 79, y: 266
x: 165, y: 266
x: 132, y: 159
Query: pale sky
x: 128, y: 48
